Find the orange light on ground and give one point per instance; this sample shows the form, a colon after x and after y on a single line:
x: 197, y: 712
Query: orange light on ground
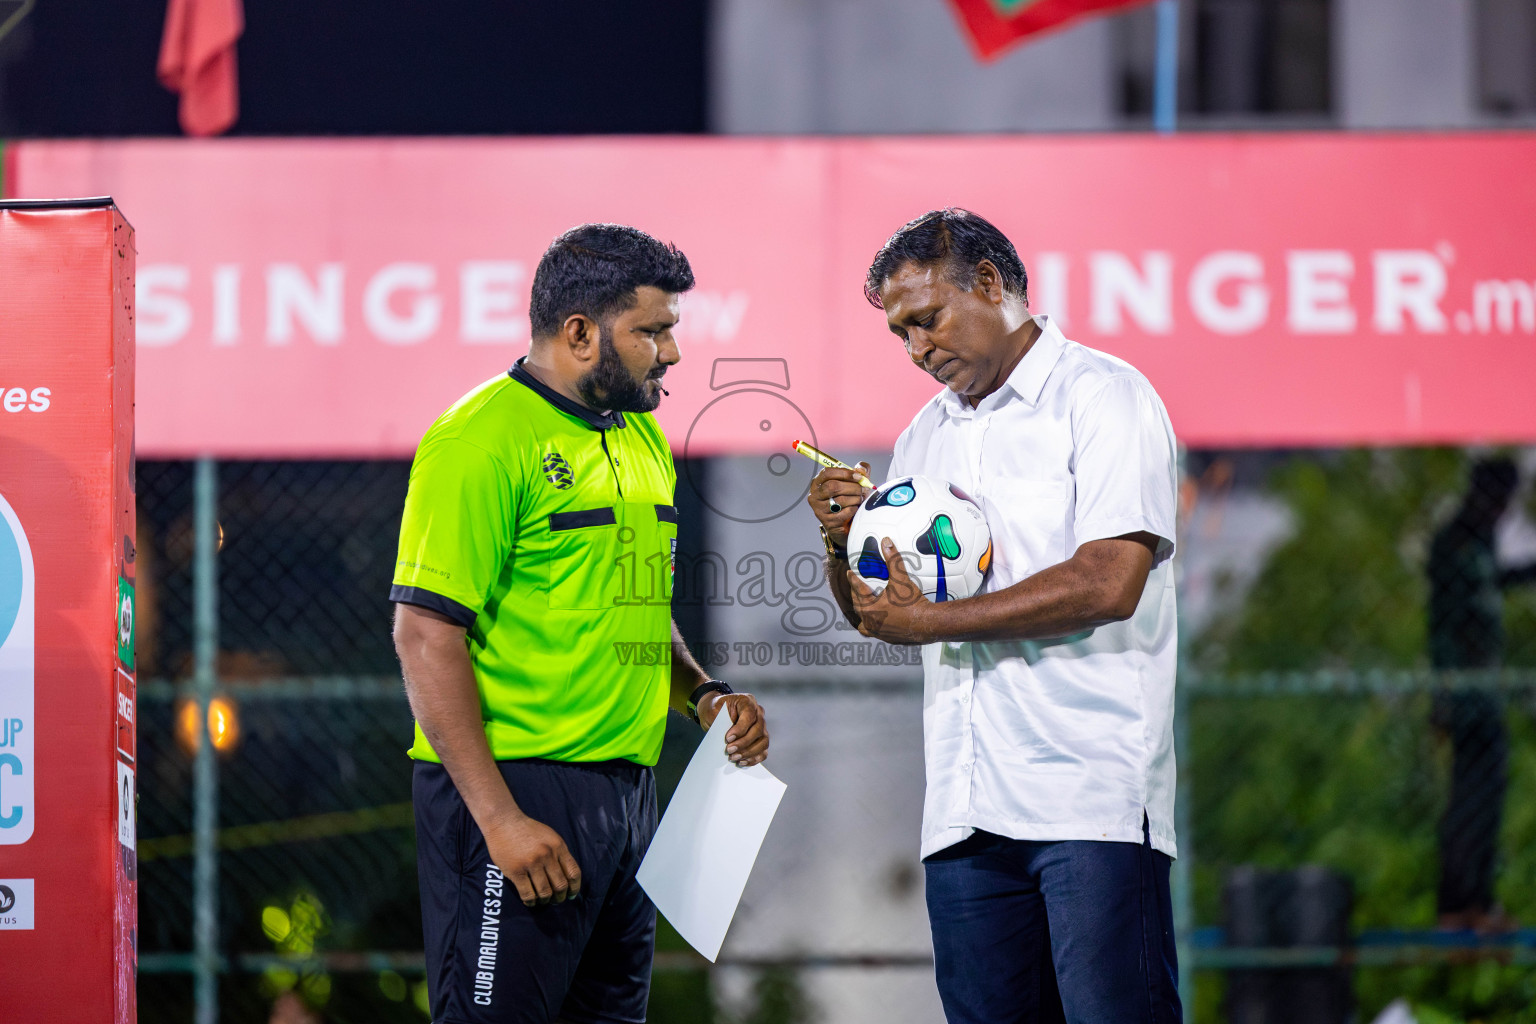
x: 186, y: 725
x: 223, y: 725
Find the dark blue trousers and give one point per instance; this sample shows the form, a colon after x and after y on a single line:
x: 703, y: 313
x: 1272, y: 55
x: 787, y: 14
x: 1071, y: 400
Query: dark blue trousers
x: 1078, y: 932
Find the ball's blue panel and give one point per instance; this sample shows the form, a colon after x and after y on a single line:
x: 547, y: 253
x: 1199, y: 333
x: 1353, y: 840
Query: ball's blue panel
x: 871, y: 562
x: 899, y: 493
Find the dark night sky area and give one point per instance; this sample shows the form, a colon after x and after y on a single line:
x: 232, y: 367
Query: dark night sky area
x: 83, y: 67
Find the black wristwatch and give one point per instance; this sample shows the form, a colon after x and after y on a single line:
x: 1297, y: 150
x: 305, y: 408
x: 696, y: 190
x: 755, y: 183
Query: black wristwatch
x: 835, y: 551
x: 706, y: 687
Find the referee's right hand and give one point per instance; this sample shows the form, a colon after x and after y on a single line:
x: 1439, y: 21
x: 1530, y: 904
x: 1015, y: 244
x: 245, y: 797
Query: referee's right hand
x: 535, y: 860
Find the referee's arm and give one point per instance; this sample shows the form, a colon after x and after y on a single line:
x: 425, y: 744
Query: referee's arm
x: 747, y: 741
x: 440, y: 683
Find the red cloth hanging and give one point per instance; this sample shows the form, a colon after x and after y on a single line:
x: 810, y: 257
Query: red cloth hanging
x: 197, y: 60
x: 995, y: 25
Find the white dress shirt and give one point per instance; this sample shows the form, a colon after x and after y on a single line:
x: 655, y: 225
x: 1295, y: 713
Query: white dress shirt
x: 1069, y: 738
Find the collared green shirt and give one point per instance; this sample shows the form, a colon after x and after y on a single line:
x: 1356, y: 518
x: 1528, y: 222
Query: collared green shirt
x: 548, y: 531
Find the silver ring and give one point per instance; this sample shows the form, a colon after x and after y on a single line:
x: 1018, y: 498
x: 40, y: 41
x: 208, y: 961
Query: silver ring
x: 834, y: 506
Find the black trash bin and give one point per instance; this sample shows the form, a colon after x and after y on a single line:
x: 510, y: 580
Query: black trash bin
x: 1268, y: 908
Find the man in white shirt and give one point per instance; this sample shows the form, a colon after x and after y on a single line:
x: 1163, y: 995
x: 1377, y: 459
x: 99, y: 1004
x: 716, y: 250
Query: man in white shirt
x: 1048, y: 697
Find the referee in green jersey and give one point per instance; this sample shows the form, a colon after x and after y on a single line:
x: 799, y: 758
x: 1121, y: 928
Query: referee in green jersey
x: 538, y: 543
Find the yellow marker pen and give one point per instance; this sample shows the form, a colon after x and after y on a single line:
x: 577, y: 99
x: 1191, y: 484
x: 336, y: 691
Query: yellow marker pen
x: 817, y: 455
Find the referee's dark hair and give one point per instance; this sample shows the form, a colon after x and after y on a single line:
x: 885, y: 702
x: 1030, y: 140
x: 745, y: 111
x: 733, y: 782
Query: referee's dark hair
x: 594, y: 269
x: 956, y: 240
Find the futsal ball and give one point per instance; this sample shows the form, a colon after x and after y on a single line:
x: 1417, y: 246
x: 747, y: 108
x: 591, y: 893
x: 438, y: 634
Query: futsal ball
x: 939, y: 531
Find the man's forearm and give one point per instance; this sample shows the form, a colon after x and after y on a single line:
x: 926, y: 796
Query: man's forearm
x: 1092, y: 589
x: 842, y: 592
x: 1043, y: 607
x: 440, y: 684
x: 747, y: 738
x: 687, y: 674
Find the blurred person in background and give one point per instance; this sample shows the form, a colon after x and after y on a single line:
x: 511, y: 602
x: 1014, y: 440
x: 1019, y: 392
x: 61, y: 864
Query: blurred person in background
x: 1466, y: 631
x: 534, y: 740
x: 1048, y: 705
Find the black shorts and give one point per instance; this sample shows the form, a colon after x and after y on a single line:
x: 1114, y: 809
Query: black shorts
x: 491, y: 960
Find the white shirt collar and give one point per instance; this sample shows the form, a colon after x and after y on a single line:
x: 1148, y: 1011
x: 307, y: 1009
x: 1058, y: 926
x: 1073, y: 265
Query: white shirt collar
x: 1028, y: 378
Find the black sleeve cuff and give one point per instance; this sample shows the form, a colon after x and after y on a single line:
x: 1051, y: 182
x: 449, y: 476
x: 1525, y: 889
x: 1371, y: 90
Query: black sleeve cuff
x: 433, y: 602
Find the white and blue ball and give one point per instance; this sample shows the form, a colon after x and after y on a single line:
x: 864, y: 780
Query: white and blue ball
x: 939, y: 531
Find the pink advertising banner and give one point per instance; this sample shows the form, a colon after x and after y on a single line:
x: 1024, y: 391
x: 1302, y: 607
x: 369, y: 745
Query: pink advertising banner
x: 330, y: 297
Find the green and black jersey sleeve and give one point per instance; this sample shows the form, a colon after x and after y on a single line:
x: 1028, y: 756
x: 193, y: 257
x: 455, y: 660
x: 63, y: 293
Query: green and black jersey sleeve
x: 459, y: 527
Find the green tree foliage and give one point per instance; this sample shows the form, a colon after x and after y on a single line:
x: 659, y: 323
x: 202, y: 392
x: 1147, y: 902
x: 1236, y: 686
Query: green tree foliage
x: 1355, y: 782
x: 779, y: 998
x: 1347, y: 589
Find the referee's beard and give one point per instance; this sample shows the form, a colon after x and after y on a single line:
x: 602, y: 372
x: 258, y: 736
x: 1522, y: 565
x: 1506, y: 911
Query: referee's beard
x: 610, y: 384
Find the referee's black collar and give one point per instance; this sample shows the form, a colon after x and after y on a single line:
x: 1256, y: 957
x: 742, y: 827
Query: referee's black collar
x: 592, y: 418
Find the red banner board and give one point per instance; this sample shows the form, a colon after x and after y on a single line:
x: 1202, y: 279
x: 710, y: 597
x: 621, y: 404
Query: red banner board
x: 330, y: 297
x: 67, y: 685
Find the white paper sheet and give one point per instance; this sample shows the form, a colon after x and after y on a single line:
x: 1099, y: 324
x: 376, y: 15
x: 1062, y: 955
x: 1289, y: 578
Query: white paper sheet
x: 707, y: 842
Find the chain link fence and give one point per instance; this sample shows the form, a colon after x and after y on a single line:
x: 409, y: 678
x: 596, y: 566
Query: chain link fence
x: 1357, y: 761
x: 1360, y: 696
x: 316, y: 857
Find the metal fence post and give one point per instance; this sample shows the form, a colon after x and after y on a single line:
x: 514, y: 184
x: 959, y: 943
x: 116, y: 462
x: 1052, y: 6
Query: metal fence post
x: 205, y: 786
x: 1183, y: 880
x: 1184, y: 867
x: 1165, y: 74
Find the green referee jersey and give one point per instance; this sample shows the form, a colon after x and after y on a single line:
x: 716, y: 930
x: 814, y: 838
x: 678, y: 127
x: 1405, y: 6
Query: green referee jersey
x: 548, y: 531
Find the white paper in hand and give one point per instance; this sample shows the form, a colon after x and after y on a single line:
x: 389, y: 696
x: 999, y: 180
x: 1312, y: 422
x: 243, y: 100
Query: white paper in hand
x: 705, y: 846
